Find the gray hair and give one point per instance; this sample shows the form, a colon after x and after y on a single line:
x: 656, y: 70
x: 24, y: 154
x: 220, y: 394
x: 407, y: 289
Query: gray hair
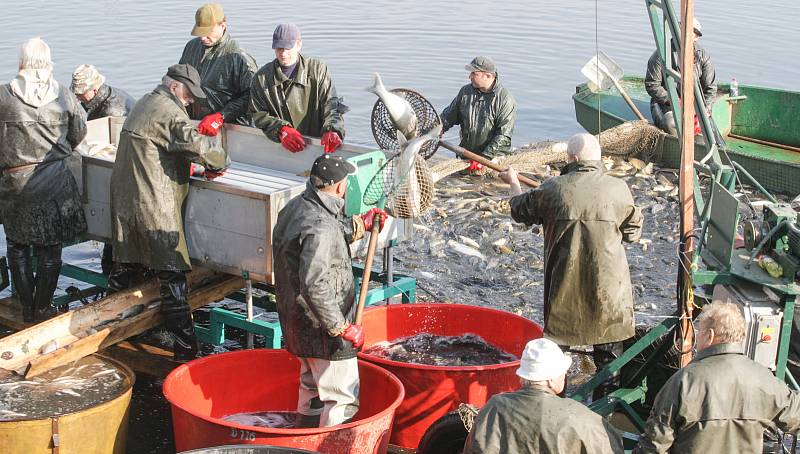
x: 583, y: 147
x: 725, y: 319
x: 35, y: 54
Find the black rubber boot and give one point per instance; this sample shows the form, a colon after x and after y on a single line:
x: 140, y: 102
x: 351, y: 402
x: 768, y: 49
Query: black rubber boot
x: 603, y: 355
x: 126, y: 275
x: 47, y: 271
x: 20, y: 264
x: 178, y: 314
x: 107, y: 261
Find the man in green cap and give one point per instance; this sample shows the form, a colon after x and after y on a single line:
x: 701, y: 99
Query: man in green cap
x: 485, y: 110
x: 294, y: 96
x: 149, y: 185
x: 226, y: 71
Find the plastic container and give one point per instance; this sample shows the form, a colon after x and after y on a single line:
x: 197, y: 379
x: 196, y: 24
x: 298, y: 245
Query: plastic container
x: 433, y: 391
x: 101, y: 429
x: 734, y: 88
x: 203, y: 391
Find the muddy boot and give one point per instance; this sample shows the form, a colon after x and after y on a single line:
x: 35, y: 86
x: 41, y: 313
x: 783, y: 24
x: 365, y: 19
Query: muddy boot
x: 21, y: 267
x: 178, y: 314
x: 107, y: 261
x: 47, y: 272
x: 603, y: 355
x: 124, y: 276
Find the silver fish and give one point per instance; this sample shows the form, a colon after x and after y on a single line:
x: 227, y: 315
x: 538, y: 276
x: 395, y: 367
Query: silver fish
x: 400, y: 110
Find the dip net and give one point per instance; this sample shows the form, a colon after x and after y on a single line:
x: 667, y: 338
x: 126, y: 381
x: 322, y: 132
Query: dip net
x: 407, y: 194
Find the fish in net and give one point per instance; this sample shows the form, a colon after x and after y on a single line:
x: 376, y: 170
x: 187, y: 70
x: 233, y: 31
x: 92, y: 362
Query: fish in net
x: 632, y: 139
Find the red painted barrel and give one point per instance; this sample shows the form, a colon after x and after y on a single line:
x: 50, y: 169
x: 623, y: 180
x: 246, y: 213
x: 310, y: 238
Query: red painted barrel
x: 207, y: 389
x: 433, y: 391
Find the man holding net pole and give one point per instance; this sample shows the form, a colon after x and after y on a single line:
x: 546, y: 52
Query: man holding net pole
x: 316, y: 292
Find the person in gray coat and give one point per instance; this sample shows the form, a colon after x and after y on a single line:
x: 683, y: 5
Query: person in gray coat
x: 656, y: 86
x: 316, y: 294
x: 39, y: 201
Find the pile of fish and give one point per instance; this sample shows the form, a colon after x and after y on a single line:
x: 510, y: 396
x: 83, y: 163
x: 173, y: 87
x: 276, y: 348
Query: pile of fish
x: 87, y: 382
x: 268, y: 419
x: 425, y: 348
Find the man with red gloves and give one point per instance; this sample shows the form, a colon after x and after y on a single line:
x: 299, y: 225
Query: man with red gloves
x: 226, y: 72
x: 316, y: 292
x: 486, y: 112
x: 293, y: 96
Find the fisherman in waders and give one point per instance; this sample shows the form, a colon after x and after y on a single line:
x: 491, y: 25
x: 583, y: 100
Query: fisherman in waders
x: 316, y: 294
x: 586, y: 215
x: 534, y: 419
x: 486, y: 112
x: 40, y: 205
x: 722, y: 401
x: 654, y: 82
x: 100, y: 100
x: 293, y: 96
x: 226, y: 72
x: 149, y: 185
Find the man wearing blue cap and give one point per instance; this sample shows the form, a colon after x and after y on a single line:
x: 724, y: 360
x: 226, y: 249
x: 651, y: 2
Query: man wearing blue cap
x: 293, y: 96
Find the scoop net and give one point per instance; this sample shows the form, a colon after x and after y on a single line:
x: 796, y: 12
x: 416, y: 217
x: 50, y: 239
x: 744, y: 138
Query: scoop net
x: 406, y: 196
x: 385, y: 132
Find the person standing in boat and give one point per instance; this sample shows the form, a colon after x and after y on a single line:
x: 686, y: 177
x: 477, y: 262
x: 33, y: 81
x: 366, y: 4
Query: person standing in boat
x: 293, y: 96
x: 722, y: 401
x: 534, y: 419
x: 586, y: 215
x: 486, y: 112
x: 316, y: 294
x: 656, y: 86
x: 149, y: 185
x: 226, y: 71
x: 100, y: 100
x: 40, y: 205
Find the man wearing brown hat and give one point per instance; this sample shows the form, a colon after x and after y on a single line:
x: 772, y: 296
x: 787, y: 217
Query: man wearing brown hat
x: 226, y: 71
x: 149, y: 185
x: 485, y: 110
x: 316, y: 294
x: 294, y: 96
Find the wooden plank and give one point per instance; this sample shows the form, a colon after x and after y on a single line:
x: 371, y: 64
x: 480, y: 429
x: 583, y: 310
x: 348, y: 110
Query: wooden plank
x: 118, y: 331
x: 143, y: 358
x: 18, y: 349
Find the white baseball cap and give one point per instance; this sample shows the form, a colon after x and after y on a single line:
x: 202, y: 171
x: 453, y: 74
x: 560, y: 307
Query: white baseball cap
x: 543, y: 360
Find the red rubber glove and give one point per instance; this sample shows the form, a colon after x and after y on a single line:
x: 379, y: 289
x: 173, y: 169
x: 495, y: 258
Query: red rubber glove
x: 331, y: 141
x: 354, y: 334
x: 697, y: 130
x: 211, y: 124
x: 291, y: 139
x: 212, y: 174
x: 369, y: 218
x: 195, y: 170
x: 475, y: 165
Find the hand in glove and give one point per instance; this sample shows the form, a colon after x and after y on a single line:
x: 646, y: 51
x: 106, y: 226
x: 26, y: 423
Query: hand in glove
x: 331, y: 141
x: 354, y: 334
x: 369, y: 218
x: 475, y: 165
x: 212, y: 174
x: 291, y: 139
x: 211, y: 124
x: 195, y: 170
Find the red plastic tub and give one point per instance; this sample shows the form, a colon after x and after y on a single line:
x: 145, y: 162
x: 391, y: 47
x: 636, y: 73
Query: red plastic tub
x: 433, y: 391
x: 207, y: 389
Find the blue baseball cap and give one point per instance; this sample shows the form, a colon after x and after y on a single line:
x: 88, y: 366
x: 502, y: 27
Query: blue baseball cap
x: 285, y: 36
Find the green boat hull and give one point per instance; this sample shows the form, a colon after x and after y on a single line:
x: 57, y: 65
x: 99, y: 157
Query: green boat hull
x: 759, y: 113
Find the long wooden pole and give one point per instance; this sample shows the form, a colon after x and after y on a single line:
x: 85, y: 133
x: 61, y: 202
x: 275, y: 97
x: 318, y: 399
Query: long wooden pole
x: 686, y: 184
x: 464, y: 153
x: 373, y: 245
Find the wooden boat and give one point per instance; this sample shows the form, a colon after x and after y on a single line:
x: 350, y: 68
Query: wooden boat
x: 758, y: 126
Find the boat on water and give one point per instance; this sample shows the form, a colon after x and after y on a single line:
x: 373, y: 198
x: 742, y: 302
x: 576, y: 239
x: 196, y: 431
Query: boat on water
x: 758, y: 127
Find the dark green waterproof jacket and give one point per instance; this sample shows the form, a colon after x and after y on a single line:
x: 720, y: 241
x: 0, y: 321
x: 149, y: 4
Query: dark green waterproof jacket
x: 150, y: 181
x: 486, y: 119
x: 586, y: 216
x: 704, y: 72
x: 314, y: 275
x: 108, y: 102
x: 226, y: 72
x: 533, y: 420
x: 307, y: 102
x: 721, y: 402
x: 39, y: 199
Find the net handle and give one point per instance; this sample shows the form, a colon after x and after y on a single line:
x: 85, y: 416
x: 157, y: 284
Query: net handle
x: 464, y: 153
x: 373, y: 245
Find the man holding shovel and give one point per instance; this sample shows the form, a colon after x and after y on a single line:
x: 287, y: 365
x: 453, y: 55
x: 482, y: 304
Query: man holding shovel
x: 316, y: 293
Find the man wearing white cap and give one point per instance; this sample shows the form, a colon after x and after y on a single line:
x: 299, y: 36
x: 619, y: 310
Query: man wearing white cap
x: 534, y: 419
x: 654, y: 82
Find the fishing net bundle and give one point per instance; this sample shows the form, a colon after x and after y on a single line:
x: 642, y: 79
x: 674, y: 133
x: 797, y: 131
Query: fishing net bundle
x: 406, y: 196
x: 632, y: 139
